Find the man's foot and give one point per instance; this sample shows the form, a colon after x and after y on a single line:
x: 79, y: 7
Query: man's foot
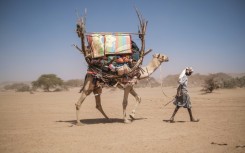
x: 195, y: 120
x: 171, y: 121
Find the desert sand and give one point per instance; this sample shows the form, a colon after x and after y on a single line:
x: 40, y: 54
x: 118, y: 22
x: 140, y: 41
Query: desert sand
x: 44, y: 123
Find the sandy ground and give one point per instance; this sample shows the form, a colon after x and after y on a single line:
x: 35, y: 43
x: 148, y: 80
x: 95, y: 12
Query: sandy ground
x: 44, y: 123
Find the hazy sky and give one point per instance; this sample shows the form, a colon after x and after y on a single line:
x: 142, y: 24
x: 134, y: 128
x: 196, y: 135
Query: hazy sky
x: 36, y: 36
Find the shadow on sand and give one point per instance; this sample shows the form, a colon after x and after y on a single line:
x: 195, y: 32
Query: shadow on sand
x: 168, y: 121
x: 99, y: 121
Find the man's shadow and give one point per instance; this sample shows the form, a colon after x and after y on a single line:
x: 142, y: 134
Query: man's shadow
x: 169, y: 121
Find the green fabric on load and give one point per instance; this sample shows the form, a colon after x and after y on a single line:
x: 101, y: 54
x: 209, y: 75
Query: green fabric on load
x: 96, y: 41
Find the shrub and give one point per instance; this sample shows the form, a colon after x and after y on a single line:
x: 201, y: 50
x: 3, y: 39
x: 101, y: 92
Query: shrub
x: 24, y: 88
x: 47, y: 81
x: 215, y: 81
x: 74, y: 83
x: 19, y: 87
x: 240, y: 82
x: 235, y: 82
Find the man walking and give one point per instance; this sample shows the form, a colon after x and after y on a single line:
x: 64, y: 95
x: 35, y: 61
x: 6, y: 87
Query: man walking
x: 182, y: 98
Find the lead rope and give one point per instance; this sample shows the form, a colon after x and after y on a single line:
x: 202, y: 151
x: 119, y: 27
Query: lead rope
x: 162, y: 81
x: 147, y: 78
x: 162, y: 89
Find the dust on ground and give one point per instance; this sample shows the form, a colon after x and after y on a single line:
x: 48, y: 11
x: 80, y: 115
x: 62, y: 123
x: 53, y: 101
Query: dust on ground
x: 44, y: 122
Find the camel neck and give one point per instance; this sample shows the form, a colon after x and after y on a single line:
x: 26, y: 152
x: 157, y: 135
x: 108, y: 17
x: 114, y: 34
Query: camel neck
x: 150, y: 68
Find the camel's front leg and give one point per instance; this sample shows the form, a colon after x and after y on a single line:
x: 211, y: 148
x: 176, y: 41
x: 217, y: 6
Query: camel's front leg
x: 125, y: 103
x: 79, y: 103
x: 88, y: 87
x: 138, y: 100
x: 97, y: 92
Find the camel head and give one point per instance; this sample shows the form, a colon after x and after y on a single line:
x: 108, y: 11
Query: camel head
x: 161, y: 58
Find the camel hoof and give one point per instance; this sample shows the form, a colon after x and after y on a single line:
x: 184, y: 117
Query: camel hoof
x: 132, y: 116
x: 79, y: 124
x: 127, y: 121
x: 138, y: 99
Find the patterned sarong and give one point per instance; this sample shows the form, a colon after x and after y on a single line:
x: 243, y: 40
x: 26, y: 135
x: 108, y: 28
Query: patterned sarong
x: 182, y: 98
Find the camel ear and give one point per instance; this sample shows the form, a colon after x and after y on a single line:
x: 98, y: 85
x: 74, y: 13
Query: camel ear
x: 156, y: 55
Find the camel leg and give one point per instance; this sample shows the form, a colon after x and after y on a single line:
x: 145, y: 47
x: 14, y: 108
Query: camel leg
x: 86, y: 90
x: 79, y: 103
x: 138, y: 100
x: 97, y: 92
x: 125, y: 103
x: 136, y: 96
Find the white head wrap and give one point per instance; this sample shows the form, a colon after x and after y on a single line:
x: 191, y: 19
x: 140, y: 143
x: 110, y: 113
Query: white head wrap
x: 184, y: 71
x: 190, y: 69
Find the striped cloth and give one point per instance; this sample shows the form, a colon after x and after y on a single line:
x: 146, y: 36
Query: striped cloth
x: 117, y: 44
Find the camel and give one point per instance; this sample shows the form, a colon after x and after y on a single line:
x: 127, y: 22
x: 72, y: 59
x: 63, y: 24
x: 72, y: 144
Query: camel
x: 95, y: 80
x: 89, y: 87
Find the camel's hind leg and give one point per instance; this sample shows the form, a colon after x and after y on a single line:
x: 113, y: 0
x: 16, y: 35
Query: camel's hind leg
x: 125, y: 102
x: 97, y: 92
x: 138, y: 100
x: 131, y: 90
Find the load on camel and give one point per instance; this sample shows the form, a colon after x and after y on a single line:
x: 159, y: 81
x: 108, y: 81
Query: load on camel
x: 114, y: 60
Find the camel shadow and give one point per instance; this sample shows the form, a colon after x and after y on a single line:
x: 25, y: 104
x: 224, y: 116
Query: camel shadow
x: 168, y: 121
x: 94, y: 121
x: 98, y: 121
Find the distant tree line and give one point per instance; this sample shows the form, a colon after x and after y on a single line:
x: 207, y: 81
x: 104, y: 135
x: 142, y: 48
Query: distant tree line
x: 208, y: 82
x: 222, y: 80
x: 194, y: 80
x: 148, y: 82
x: 51, y: 82
x: 19, y: 87
x: 46, y: 82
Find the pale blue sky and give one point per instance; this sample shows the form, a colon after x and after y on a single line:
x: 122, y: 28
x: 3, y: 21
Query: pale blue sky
x: 36, y: 36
